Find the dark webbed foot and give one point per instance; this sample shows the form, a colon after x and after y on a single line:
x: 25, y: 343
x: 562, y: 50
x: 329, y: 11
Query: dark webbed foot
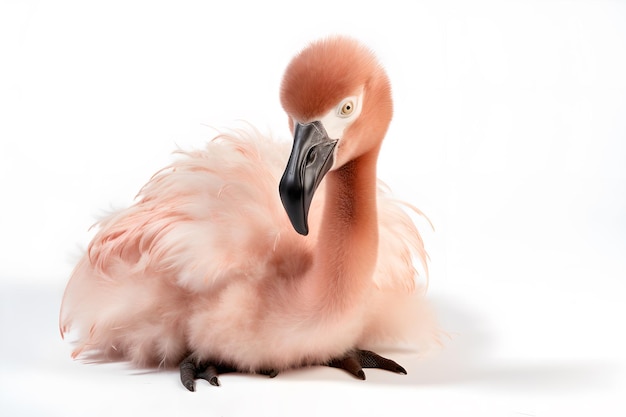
x: 191, y: 369
x: 355, y: 360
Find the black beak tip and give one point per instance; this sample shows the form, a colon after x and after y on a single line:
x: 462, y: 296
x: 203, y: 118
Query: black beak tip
x: 303, y: 229
x: 294, y: 208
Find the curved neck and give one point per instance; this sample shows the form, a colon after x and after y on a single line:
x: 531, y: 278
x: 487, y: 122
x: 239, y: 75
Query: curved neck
x: 347, y: 247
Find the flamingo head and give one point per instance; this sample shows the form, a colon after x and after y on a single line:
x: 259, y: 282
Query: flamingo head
x: 338, y: 100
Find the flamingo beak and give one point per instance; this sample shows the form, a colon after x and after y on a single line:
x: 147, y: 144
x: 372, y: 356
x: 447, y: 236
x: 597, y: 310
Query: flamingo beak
x: 311, y: 157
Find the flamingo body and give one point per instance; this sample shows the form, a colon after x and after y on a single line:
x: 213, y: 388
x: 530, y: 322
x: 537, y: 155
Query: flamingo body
x: 207, y: 261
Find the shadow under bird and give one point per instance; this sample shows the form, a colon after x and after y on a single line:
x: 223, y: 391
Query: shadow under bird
x: 212, y: 270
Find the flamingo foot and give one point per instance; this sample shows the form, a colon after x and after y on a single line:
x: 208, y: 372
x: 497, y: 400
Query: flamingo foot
x: 357, y: 359
x: 190, y: 370
x: 354, y: 361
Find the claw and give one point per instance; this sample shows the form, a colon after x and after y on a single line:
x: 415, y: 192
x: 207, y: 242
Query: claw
x: 188, y: 373
x: 350, y: 364
x: 355, y: 360
x: 190, y: 370
x: 210, y: 375
x: 369, y: 359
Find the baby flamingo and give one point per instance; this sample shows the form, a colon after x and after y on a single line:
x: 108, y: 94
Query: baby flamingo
x: 206, y: 271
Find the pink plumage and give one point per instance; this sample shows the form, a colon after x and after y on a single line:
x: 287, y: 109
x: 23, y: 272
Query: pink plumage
x: 207, y: 262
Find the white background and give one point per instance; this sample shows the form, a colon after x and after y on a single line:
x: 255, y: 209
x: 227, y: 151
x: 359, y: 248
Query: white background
x: 509, y: 133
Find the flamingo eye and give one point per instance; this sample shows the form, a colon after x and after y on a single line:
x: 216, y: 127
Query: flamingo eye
x: 346, y: 108
x: 342, y: 114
